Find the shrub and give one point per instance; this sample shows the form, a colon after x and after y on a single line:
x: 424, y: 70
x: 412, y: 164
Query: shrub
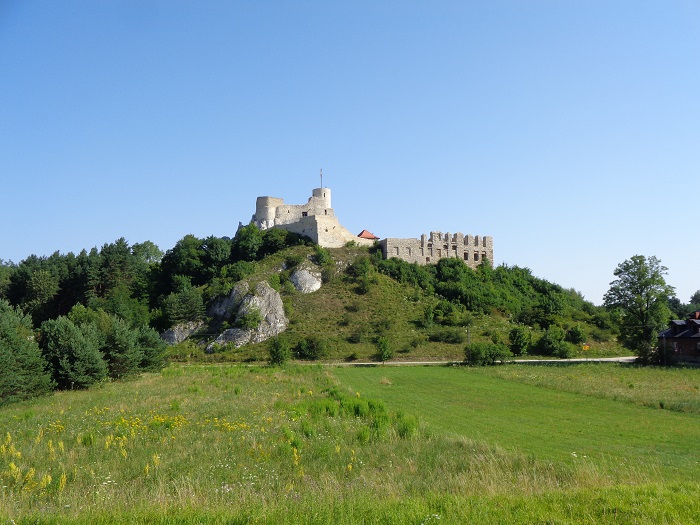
x: 576, y: 335
x: 383, y: 325
x: 520, y: 340
x: 384, y: 351
x: 353, y: 307
x: 565, y: 351
x: 428, y: 317
x: 279, y: 350
x: 74, y: 356
x: 238, y: 270
x: 356, y: 336
x: 323, y: 256
x: 364, y: 285
x: 552, y: 342
x: 362, y: 267
x: 312, y: 348
x: 275, y: 282
x: 292, y: 261
x: 250, y: 320
x: 183, y: 351
x: 447, y: 335
x: 482, y: 354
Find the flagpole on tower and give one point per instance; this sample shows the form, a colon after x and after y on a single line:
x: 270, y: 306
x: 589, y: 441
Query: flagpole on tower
x: 321, y: 178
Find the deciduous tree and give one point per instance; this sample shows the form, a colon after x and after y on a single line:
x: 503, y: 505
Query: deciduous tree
x: 640, y: 296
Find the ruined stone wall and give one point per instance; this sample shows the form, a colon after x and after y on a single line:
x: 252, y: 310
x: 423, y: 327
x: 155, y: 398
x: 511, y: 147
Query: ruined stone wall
x: 324, y: 230
x: 315, y: 219
x: 272, y: 211
x: 430, y: 249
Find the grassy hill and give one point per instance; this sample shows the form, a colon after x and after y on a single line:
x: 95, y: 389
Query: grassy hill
x: 350, y: 312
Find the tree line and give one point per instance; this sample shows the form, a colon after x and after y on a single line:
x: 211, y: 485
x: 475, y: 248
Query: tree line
x: 69, y: 321
x: 96, y: 315
x: 546, y: 319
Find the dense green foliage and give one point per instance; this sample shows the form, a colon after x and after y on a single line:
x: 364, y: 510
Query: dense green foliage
x: 480, y: 354
x: 312, y: 348
x: 639, y: 298
x: 544, y: 318
x: 96, y: 313
x: 280, y: 351
x: 22, y: 370
x: 72, y: 353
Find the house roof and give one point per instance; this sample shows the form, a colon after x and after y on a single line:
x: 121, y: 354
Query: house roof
x: 364, y: 234
x: 681, y: 330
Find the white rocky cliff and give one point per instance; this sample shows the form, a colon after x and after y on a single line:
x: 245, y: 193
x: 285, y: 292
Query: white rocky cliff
x: 267, y: 302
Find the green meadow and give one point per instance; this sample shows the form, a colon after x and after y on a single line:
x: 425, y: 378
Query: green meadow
x: 225, y: 444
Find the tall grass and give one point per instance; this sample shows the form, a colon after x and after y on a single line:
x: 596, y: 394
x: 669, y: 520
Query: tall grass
x: 223, y: 444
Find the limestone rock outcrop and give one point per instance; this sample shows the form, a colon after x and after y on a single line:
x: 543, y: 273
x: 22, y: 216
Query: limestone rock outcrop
x: 180, y: 332
x: 268, y: 303
x: 226, y: 307
x: 306, y: 280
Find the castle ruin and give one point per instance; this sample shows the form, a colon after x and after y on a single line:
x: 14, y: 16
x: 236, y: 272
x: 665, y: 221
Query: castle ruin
x: 429, y: 250
x: 315, y: 219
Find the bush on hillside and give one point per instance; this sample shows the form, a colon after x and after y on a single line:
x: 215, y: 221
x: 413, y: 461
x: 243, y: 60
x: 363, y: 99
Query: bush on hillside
x: 553, y: 343
x: 452, y: 336
x: 250, y: 320
x: 520, y: 340
x: 322, y: 256
x: 23, y: 370
x: 481, y: 354
x: 312, y: 348
x: 279, y: 350
x: 576, y: 335
x: 384, y: 350
x: 73, y: 353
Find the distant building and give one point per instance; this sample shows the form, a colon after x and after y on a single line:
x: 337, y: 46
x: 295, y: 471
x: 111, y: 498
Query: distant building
x: 315, y: 219
x: 682, y: 339
x: 429, y: 250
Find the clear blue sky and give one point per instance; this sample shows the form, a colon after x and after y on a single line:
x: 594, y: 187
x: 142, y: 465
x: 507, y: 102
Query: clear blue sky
x: 568, y: 131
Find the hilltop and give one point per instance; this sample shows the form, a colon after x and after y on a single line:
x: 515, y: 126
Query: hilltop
x: 418, y: 312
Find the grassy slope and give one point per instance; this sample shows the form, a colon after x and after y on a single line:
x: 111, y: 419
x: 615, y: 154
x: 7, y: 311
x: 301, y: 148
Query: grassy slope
x: 337, y: 312
x: 548, y: 424
x: 222, y: 444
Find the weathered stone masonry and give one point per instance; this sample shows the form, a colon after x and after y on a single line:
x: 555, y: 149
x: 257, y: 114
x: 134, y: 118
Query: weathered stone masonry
x: 315, y: 219
x: 429, y: 250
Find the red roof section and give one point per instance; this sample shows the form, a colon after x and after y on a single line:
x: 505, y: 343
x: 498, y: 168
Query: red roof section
x: 364, y: 234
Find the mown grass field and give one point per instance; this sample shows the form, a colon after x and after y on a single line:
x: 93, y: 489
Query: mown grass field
x: 229, y: 444
x: 546, y: 421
